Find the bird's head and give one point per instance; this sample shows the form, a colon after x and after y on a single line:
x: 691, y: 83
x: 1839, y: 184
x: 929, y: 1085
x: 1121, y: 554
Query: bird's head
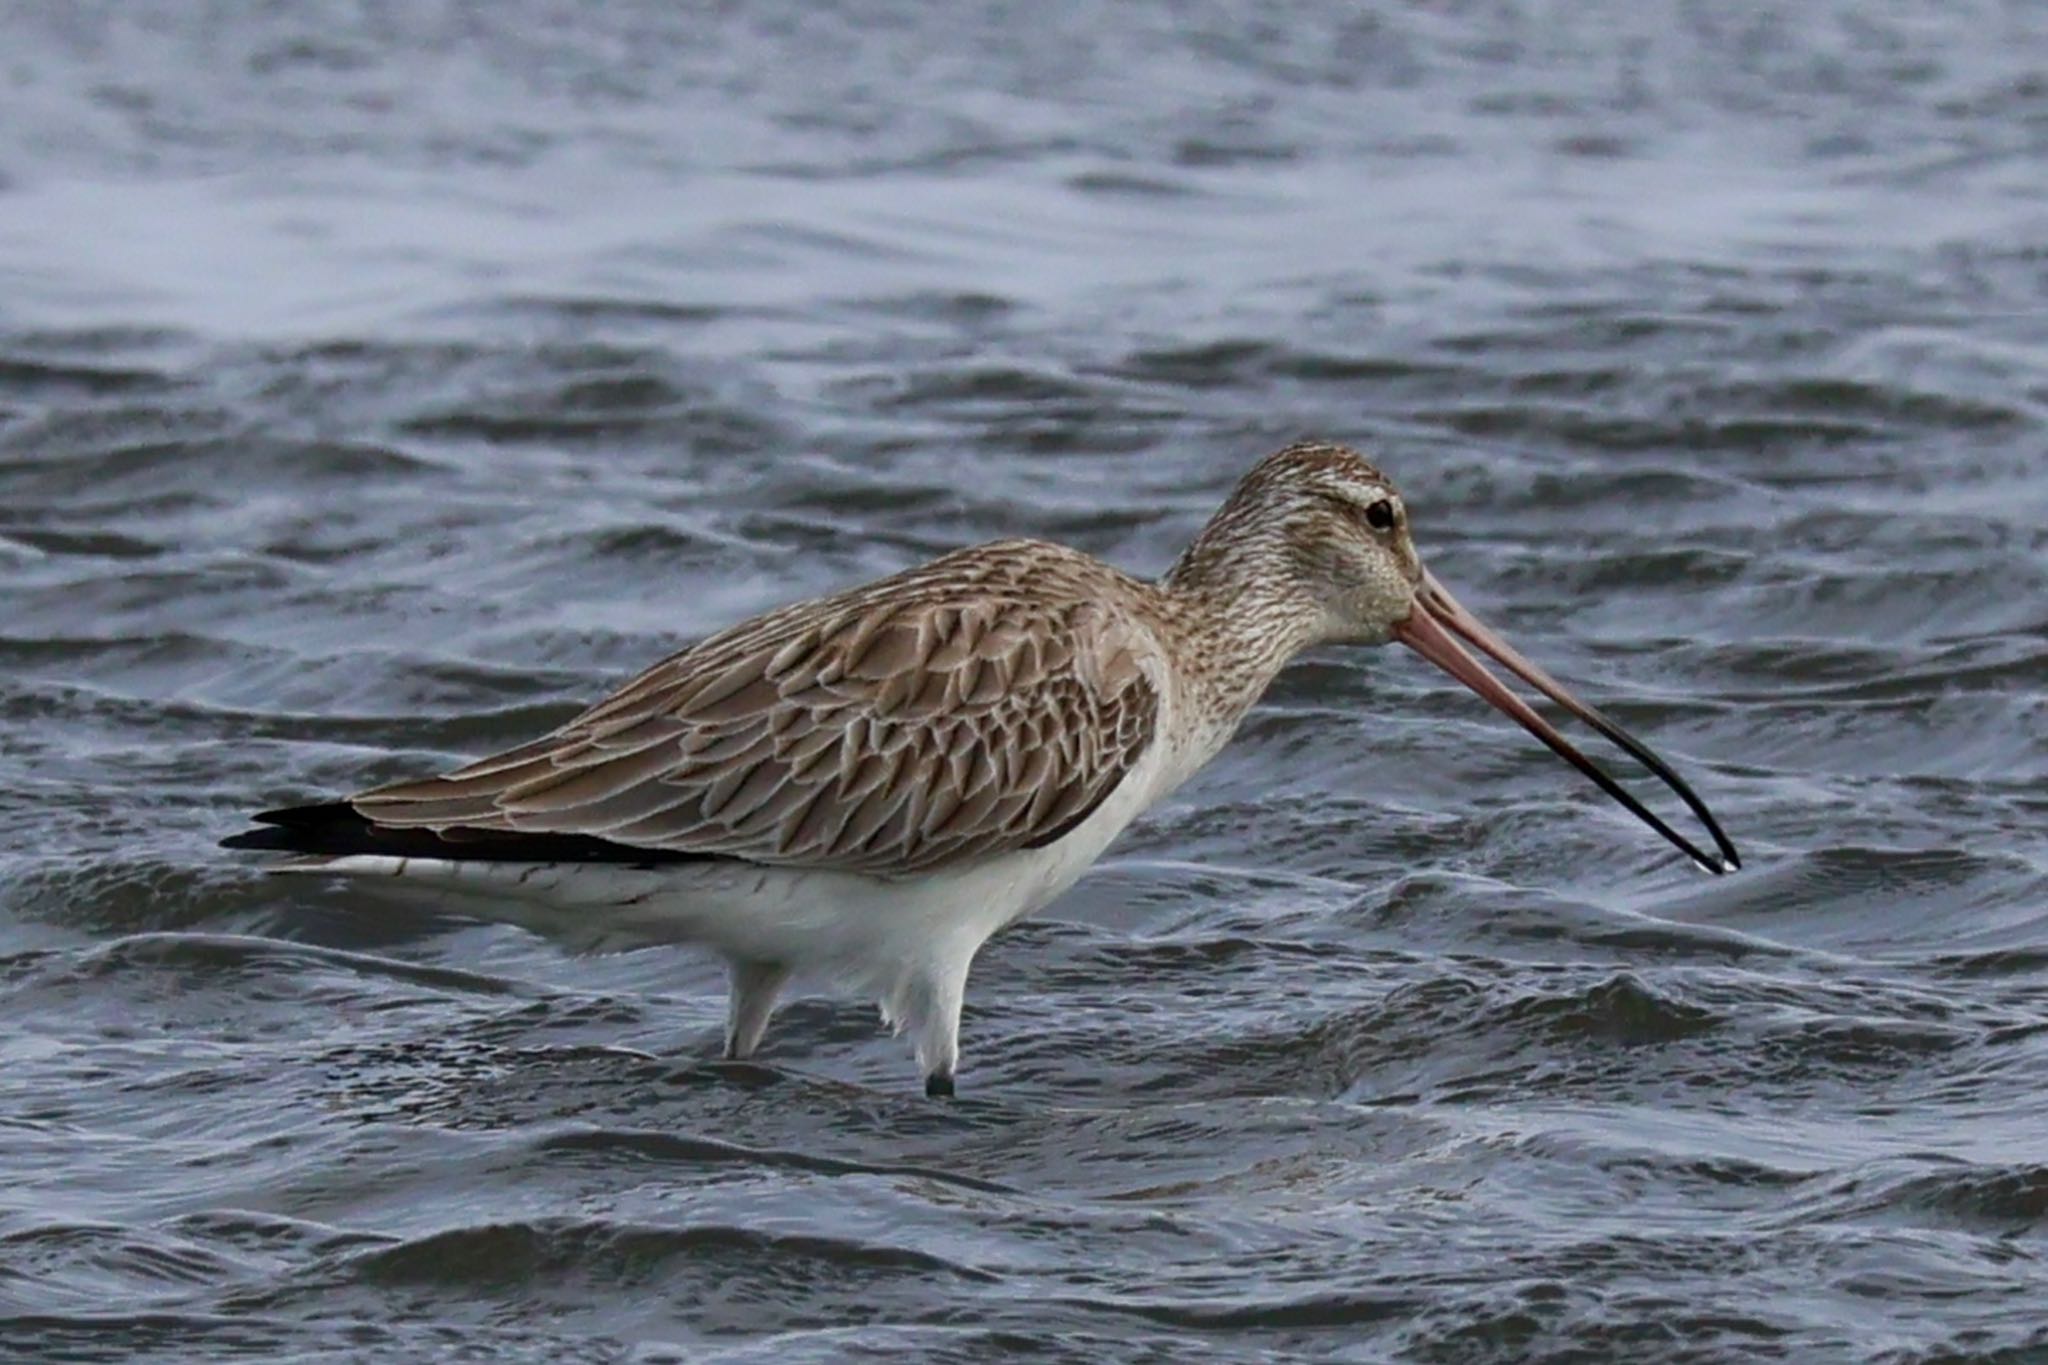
x: 1316, y: 533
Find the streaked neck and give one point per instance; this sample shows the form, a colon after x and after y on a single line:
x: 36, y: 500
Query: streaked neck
x: 1237, y: 620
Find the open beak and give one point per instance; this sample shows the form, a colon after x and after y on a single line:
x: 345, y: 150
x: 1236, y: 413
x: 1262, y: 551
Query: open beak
x: 1433, y: 629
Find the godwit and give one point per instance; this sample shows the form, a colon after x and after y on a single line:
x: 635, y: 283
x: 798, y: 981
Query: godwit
x: 871, y: 784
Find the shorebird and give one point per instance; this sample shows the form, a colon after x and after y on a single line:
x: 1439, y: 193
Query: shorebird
x: 870, y: 784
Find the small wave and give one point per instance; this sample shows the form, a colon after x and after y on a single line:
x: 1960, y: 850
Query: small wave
x: 611, y: 1144
x: 1894, y: 883
x: 700, y: 426
x: 232, y: 954
x: 24, y: 377
x: 1234, y: 362
x: 1467, y: 1029
x: 588, y: 310
x: 1224, y: 1312
x: 506, y: 1255
x: 2004, y: 1200
x: 956, y: 386
x: 152, y: 888
x: 1620, y: 1010
x: 1129, y: 184
x: 100, y: 1333
x: 91, y: 1263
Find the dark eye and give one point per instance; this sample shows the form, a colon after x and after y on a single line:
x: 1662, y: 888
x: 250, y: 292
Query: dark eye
x: 1380, y: 516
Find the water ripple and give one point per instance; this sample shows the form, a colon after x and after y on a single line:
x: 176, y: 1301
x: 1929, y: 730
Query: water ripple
x: 376, y: 389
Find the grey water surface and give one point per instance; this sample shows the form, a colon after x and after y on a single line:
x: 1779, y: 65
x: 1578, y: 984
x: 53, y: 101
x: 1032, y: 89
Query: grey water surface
x: 378, y: 382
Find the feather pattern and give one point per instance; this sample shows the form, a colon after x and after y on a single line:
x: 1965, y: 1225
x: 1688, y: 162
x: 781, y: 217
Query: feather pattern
x: 982, y: 703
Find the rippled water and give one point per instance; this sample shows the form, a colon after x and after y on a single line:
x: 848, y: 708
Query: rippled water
x: 379, y: 382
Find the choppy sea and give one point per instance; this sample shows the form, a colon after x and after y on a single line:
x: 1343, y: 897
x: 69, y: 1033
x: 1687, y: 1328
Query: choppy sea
x: 380, y: 382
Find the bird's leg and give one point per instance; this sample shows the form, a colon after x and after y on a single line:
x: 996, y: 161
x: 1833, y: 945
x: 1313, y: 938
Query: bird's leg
x: 926, y: 1005
x: 938, y: 1040
x: 752, y: 999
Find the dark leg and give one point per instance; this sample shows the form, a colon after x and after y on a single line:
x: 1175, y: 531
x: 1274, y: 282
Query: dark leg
x: 939, y: 1085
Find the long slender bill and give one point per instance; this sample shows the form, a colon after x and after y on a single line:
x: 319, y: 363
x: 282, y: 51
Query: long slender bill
x: 1432, y: 630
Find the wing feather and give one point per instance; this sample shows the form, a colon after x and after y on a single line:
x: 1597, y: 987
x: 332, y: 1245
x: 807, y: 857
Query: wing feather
x: 983, y: 703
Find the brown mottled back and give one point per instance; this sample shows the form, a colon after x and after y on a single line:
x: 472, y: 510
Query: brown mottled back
x: 981, y: 703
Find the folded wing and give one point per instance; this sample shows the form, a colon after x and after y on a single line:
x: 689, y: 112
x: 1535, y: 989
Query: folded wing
x: 921, y: 721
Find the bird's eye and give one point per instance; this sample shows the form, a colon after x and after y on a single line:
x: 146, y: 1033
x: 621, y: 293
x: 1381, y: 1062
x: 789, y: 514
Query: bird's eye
x: 1380, y: 516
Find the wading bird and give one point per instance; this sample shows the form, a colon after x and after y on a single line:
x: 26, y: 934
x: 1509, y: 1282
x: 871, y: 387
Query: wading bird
x: 870, y: 784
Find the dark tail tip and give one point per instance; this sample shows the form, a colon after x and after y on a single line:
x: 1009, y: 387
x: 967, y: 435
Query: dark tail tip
x: 339, y: 829
x: 303, y: 829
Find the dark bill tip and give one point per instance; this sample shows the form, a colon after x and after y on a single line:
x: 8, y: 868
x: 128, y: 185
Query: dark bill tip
x: 1432, y: 630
